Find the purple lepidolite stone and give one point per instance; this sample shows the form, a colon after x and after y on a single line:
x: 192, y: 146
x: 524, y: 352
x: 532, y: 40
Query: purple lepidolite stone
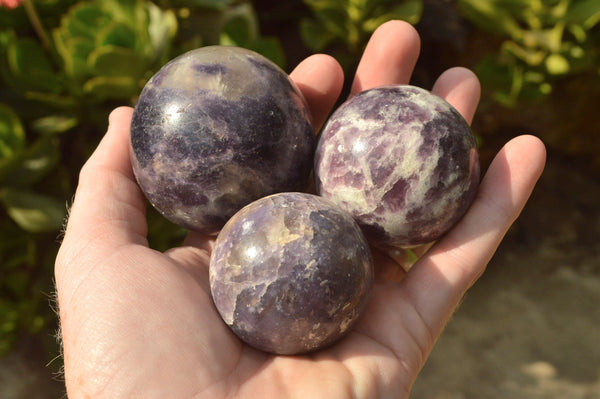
x: 215, y: 129
x: 402, y: 161
x: 290, y: 273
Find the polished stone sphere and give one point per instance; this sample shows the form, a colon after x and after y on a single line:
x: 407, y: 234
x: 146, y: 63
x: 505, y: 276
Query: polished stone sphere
x: 215, y: 129
x: 291, y: 273
x: 402, y: 161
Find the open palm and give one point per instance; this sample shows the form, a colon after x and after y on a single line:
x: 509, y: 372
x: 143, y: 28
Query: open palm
x: 139, y: 323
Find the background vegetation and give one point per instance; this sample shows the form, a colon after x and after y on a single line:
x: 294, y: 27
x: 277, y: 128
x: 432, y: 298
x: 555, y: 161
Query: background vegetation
x: 64, y: 64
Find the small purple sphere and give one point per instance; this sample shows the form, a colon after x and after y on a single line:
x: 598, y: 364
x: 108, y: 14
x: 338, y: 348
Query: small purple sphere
x: 402, y: 161
x: 215, y: 129
x: 291, y: 273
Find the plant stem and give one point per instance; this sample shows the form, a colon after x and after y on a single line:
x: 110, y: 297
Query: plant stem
x: 35, y: 21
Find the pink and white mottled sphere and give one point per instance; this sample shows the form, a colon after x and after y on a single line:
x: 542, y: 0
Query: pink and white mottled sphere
x: 402, y: 161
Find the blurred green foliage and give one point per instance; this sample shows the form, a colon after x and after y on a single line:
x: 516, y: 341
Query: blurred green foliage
x: 542, y: 40
x: 64, y: 64
x: 350, y: 23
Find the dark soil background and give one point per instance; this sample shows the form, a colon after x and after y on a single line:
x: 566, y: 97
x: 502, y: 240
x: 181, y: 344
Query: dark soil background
x: 530, y: 328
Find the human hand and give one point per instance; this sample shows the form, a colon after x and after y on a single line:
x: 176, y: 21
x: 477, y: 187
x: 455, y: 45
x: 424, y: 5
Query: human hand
x: 139, y: 323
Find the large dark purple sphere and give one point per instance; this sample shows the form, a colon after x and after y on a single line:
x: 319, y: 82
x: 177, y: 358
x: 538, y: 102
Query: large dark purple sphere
x: 215, y: 129
x: 402, y: 161
x: 290, y: 273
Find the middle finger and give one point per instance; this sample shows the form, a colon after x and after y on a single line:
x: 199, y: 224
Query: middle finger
x: 389, y: 58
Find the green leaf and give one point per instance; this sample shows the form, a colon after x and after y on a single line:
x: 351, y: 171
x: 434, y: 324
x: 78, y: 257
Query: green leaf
x: 75, y: 56
x: 490, y: 17
x: 28, y: 63
x: 271, y: 48
x: 117, y: 34
x: 213, y: 4
x: 111, y: 87
x: 530, y: 56
x: 410, y: 11
x: 314, y: 36
x: 53, y: 124
x: 116, y: 61
x: 123, y: 10
x: 578, y: 32
x: 52, y: 100
x: 585, y: 13
x: 334, y: 20
x: 12, y: 134
x: 239, y: 32
x: 17, y: 248
x: 162, y: 27
x: 84, y: 20
x: 350, y: 22
x: 411, y: 257
x: 33, y: 212
x: 34, y: 163
x: 320, y: 5
x: 556, y: 64
x: 498, y: 78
